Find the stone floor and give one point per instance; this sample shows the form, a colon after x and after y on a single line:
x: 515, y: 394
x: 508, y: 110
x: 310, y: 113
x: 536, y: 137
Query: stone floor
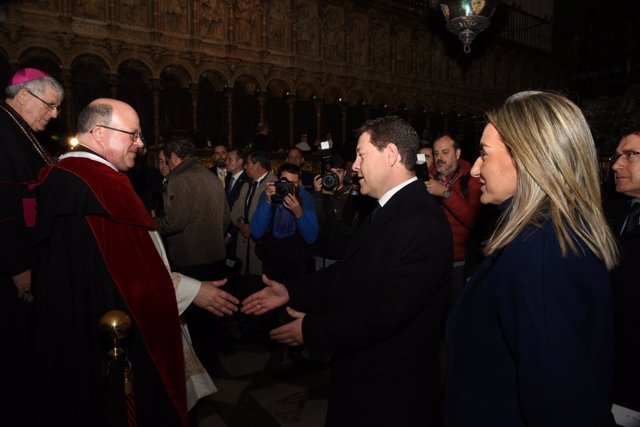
x: 290, y: 395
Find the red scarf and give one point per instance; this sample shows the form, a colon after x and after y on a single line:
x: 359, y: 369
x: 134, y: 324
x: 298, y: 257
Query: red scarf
x: 136, y: 268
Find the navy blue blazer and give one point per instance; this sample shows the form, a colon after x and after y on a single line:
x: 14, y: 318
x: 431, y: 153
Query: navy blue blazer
x: 379, y: 312
x: 626, y: 309
x: 529, y: 340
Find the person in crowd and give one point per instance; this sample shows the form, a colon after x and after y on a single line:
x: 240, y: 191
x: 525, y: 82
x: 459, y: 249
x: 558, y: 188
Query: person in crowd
x: 95, y: 251
x: 196, y: 216
x: 262, y: 141
x: 459, y: 195
x: 295, y: 156
x: 236, y: 177
x: 529, y: 340
x: 335, y: 210
x: 285, y: 221
x: 379, y: 311
x: 220, y: 163
x: 624, y: 218
x: 286, y: 225
x: 258, y: 169
x: 33, y: 98
x: 426, y: 148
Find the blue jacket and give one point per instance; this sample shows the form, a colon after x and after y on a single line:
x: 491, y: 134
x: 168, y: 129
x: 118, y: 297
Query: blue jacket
x: 529, y: 341
x: 284, y: 222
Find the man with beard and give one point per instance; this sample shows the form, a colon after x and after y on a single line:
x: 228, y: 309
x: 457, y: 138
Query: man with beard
x: 459, y: 196
x: 33, y: 99
x: 220, y: 160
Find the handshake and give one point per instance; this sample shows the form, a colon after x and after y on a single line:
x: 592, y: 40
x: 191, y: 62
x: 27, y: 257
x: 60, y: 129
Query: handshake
x: 273, y: 295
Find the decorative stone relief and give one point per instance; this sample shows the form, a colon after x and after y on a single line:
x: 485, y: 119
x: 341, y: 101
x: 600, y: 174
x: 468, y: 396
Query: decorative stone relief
x: 333, y: 35
x: 212, y: 15
x: 278, y: 24
x: 358, y: 41
x: 246, y: 22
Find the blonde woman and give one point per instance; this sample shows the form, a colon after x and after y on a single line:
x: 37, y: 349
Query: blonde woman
x: 530, y: 339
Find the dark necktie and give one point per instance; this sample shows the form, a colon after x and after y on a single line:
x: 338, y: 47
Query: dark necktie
x: 232, y: 181
x: 633, y: 219
x: 247, y: 202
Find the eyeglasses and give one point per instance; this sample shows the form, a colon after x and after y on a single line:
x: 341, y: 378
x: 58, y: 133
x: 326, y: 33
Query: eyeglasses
x: 49, y: 105
x: 629, y: 156
x: 134, y: 135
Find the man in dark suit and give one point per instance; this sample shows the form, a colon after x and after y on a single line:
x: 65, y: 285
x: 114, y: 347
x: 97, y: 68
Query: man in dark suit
x: 235, y: 179
x: 624, y: 216
x: 379, y: 311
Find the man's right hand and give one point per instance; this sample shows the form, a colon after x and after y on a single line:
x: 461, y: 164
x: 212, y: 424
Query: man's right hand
x: 244, y: 229
x: 23, y: 284
x: 273, y: 295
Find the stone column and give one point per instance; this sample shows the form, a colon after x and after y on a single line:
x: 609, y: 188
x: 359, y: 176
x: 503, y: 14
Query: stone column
x: 155, y: 95
x: 193, y: 91
x: 67, y: 83
x: 319, y: 104
x: 344, y: 108
x: 229, y: 94
x: 262, y: 102
x: 291, y: 103
x: 112, y: 80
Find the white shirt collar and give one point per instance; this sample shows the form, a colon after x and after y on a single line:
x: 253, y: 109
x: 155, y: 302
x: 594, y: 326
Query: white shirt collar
x: 389, y: 194
x: 88, y: 155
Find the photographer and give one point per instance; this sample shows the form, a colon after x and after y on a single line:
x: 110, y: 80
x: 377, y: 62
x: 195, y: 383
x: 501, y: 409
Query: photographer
x: 286, y: 225
x: 286, y: 222
x: 335, y: 210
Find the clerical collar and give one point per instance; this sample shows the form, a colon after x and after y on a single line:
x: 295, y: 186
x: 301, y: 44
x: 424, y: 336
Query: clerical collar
x: 85, y: 152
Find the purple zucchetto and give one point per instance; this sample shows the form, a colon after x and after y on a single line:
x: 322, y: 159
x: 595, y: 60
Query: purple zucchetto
x: 26, y: 75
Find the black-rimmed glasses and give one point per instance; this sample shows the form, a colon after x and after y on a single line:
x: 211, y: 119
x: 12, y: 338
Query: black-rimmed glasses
x: 629, y: 156
x: 50, y: 106
x: 133, y: 135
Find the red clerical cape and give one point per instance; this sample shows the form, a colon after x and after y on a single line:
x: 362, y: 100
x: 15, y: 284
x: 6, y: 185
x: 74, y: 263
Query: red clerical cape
x: 136, y: 268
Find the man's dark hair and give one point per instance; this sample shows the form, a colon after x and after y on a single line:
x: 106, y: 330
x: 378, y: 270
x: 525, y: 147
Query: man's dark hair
x: 183, y: 147
x: 260, y: 157
x: 629, y: 127
x: 291, y: 168
x: 425, y: 144
x: 94, y: 114
x: 456, y: 145
x: 393, y: 130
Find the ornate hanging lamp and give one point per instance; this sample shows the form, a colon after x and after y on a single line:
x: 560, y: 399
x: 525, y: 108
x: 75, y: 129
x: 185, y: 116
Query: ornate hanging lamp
x: 466, y: 18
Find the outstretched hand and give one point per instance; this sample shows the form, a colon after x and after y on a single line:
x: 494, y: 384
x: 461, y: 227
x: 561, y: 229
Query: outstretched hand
x: 211, y: 298
x: 273, y: 295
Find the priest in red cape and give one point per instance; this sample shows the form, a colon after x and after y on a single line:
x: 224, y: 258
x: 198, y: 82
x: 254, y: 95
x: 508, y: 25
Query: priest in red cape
x: 94, y: 253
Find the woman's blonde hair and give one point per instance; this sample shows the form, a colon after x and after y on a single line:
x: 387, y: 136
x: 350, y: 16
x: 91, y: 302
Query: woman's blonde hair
x: 558, y: 175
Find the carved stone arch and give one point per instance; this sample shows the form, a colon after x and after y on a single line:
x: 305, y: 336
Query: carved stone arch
x: 357, y: 97
x: 89, y: 74
x: 137, y: 66
x: 212, y: 114
x: 332, y: 95
x: 278, y: 88
x: 247, y: 84
x: 175, y: 86
x: 177, y: 75
x: 213, y: 79
x: 306, y: 90
x: 134, y: 80
x: 42, y: 58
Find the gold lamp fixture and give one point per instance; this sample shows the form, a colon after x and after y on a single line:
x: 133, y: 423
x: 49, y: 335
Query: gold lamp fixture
x: 466, y: 18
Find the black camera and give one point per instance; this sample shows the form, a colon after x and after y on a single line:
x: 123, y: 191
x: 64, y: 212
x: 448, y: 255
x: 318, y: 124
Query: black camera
x: 329, y: 179
x: 283, y: 187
